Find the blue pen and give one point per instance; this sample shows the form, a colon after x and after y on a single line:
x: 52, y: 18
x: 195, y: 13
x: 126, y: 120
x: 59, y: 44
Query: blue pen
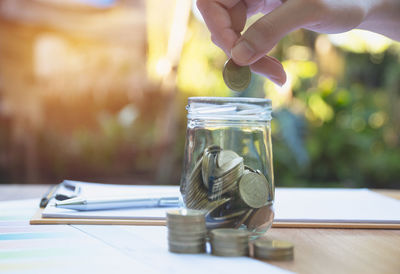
x: 83, y: 204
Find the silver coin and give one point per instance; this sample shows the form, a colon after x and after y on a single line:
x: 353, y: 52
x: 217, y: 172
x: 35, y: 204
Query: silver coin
x: 236, y: 77
x: 273, y: 249
x: 228, y: 233
x: 187, y: 249
x: 260, y: 218
x: 229, y: 242
x: 185, y: 215
x: 209, y: 164
x: 186, y: 231
x: 253, y: 190
x: 244, y: 218
x: 225, y: 157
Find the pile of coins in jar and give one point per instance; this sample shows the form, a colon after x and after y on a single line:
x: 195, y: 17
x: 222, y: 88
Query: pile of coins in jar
x: 231, y: 193
x: 187, y: 233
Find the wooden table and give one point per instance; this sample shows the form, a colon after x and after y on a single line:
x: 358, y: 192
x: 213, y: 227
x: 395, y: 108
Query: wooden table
x: 316, y: 250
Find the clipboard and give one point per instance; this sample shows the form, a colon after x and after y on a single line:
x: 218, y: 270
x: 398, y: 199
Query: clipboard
x: 285, y: 208
x: 38, y: 220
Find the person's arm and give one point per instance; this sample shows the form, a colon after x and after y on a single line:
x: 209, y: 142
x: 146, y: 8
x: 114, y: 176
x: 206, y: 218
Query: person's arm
x: 226, y: 19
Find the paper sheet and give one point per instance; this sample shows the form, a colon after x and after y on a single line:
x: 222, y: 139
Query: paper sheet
x: 291, y: 205
x: 65, y: 249
x: 334, y: 205
x: 149, y: 246
x: 90, y: 190
x: 49, y: 249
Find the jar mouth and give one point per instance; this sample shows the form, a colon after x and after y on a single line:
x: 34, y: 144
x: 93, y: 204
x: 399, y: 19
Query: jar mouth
x: 222, y: 100
x: 229, y: 108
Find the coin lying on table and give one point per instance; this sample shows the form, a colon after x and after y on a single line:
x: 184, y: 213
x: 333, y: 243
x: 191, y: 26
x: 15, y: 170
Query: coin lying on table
x: 186, y: 231
x: 236, y: 77
x: 273, y: 249
x: 229, y: 242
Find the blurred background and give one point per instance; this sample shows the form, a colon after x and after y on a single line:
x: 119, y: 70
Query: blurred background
x: 96, y: 90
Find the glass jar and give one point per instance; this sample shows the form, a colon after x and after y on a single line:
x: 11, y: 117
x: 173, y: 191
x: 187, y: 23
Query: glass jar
x: 227, y: 167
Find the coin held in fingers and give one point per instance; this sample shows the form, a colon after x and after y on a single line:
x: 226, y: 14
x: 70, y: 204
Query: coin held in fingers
x: 236, y: 77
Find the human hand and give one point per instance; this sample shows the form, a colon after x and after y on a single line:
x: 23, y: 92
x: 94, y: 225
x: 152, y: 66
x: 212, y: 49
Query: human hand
x: 226, y: 19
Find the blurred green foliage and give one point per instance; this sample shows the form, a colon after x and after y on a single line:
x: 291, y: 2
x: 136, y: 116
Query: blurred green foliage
x: 336, y: 120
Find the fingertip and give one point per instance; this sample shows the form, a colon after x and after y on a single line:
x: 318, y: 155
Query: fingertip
x: 279, y: 81
x: 284, y: 78
x: 271, y: 68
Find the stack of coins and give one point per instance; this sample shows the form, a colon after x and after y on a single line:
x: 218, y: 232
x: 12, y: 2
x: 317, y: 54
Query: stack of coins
x: 273, y: 249
x: 232, y: 193
x: 195, y: 192
x: 229, y: 242
x: 186, y: 231
x: 236, y: 77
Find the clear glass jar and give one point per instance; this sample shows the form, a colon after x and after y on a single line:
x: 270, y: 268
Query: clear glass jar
x: 227, y: 167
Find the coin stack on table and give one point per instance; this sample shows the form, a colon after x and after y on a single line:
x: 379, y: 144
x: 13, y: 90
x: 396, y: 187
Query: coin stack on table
x: 273, y: 249
x: 231, y: 193
x: 229, y: 242
x: 186, y: 231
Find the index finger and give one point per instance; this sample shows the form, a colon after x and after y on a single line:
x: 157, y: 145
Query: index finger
x: 216, y: 14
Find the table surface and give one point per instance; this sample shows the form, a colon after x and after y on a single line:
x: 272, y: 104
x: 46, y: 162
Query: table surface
x: 316, y: 250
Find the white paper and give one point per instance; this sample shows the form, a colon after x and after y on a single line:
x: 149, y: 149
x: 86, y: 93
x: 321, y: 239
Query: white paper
x: 91, y: 190
x: 148, y: 245
x: 291, y: 205
x: 101, y: 249
x: 334, y: 205
x: 55, y: 249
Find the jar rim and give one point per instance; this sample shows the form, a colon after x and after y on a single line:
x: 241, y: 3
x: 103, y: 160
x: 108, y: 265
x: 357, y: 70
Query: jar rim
x: 246, y: 100
x: 229, y: 108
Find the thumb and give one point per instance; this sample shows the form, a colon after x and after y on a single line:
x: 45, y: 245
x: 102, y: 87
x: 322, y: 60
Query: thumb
x: 265, y: 33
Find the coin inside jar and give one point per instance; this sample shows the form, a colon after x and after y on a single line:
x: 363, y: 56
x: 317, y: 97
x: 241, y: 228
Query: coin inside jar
x: 236, y: 77
x: 231, y: 193
x: 253, y: 190
x: 225, y: 157
x: 260, y: 217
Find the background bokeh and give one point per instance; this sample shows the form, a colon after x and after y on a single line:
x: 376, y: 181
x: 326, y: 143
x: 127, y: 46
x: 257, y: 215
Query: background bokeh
x: 96, y: 90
